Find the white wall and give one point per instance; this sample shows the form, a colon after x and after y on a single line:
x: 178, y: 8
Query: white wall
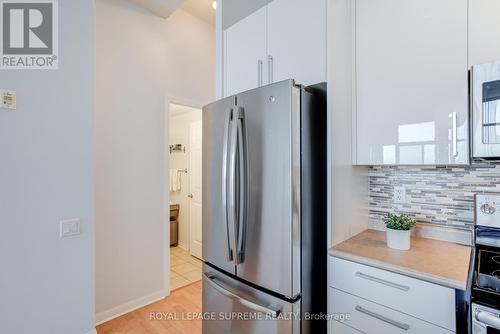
x: 141, y: 60
x: 46, y: 175
x: 179, y: 134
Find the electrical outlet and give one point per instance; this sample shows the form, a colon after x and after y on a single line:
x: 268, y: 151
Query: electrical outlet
x: 70, y: 227
x: 399, y: 194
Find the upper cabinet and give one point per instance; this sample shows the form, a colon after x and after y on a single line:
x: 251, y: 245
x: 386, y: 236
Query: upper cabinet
x: 484, y: 31
x: 245, y: 52
x: 411, y: 96
x: 297, y: 40
x: 284, y: 40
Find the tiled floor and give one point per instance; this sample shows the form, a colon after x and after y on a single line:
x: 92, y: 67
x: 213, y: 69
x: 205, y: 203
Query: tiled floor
x: 184, y: 268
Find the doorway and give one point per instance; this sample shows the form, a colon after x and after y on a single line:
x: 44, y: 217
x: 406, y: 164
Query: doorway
x: 184, y: 175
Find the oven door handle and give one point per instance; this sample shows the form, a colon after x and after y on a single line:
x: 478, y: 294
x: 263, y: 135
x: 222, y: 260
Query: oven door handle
x: 488, y: 319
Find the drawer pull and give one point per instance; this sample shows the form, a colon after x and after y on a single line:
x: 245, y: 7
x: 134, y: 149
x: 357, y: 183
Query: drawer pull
x: 382, y: 281
x: 382, y: 318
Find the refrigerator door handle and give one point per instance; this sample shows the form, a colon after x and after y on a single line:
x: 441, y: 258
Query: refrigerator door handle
x: 210, y: 278
x: 228, y: 251
x: 242, y: 187
x: 232, y: 205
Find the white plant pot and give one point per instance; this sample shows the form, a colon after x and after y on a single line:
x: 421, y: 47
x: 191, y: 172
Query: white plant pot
x: 399, y: 240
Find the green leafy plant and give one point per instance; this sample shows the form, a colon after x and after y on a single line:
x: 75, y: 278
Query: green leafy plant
x: 399, y: 222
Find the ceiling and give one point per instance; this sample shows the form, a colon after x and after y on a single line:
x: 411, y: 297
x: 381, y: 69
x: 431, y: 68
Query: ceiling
x: 162, y: 8
x: 202, y: 9
x: 177, y: 109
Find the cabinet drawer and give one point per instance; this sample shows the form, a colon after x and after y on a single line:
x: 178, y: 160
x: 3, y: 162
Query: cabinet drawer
x: 370, y: 317
x: 399, y: 292
x: 336, y: 327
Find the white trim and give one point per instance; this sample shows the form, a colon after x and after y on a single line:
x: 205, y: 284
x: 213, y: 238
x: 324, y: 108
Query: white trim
x: 183, y: 246
x: 130, y: 306
x: 197, y: 104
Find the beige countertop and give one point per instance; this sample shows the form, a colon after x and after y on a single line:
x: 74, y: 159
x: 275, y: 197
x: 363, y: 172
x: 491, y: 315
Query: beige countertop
x: 435, y: 261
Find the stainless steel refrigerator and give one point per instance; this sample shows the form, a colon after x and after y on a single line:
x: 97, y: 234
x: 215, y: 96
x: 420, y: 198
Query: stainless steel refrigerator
x: 264, y: 211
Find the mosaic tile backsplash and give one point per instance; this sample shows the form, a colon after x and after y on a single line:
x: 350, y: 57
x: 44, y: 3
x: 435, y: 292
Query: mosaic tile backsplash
x: 434, y: 195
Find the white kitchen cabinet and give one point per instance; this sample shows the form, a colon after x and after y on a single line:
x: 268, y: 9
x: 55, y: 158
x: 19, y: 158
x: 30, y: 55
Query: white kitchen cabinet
x: 337, y: 327
x: 369, y: 317
x: 411, y: 100
x: 297, y: 41
x: 245, y: 53
x: 379, y: 301
x: 484, y: 31
x: 284, y: 40
x: 402, y: 293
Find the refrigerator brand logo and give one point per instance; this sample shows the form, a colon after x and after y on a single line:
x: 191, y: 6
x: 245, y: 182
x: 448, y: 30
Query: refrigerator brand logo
x: 29, y: 35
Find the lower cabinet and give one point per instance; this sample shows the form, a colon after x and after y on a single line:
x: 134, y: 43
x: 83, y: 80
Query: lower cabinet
x: 336, y: 327
x: 369, y: 317
x: 364, y: 299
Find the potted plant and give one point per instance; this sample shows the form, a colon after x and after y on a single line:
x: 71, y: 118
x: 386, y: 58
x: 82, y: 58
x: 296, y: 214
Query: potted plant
x: 398, y: 231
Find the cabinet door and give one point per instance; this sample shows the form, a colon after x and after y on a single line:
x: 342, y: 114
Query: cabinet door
x: 245, y: 45
x: 484, y: 31
x: 412, y: 82
x: 297, y: 40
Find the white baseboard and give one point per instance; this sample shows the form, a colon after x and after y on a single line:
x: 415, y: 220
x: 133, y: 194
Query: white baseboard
x: 183, y: 246
x: 130, y: 306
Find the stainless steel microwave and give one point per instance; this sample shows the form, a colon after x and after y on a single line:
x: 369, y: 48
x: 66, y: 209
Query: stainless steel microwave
x: 485, y: 102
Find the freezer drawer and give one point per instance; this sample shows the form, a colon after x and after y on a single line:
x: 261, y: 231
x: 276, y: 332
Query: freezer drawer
x: 238, y: 308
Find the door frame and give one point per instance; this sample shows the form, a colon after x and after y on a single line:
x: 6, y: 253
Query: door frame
x: 189, y: 102
x: 191, y: 174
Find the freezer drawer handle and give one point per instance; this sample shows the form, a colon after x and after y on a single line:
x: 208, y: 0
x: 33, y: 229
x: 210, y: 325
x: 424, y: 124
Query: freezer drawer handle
x: 382, y: 281
x: 254, y: 306
x: 488, y: 319
x: 382, y: 318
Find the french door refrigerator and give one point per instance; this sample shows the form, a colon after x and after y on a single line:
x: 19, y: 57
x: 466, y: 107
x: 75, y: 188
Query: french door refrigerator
x: 264, y: 211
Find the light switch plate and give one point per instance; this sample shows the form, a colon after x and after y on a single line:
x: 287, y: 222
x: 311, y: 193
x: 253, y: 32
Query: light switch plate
x: 8, y: 99
x: 70, y: 227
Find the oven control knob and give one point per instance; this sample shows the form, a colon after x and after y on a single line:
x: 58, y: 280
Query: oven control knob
x: 488, y: 208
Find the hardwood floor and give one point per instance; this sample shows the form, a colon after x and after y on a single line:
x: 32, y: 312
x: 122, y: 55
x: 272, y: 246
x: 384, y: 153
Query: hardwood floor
x: 181, y: 303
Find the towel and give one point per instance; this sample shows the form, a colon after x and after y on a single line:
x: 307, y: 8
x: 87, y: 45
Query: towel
x: 175, y: 180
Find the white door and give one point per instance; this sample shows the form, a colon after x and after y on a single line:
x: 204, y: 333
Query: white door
x: 297, y: 40
x: 195, y: 139
x: 412, y: 82
x: 245, y: 53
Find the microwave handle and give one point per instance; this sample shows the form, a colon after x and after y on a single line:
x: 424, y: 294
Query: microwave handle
x: 454, y: 136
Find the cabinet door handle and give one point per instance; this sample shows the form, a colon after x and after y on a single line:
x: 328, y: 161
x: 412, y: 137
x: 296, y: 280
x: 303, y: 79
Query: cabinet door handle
x: 383, y: 281
x: 260, y: 66
x: 382, y: 318
x: 270, y: 69
x: 454, y: 136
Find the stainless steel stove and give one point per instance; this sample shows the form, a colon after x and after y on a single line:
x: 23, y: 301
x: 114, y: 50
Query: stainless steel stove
x: 485, y: 294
